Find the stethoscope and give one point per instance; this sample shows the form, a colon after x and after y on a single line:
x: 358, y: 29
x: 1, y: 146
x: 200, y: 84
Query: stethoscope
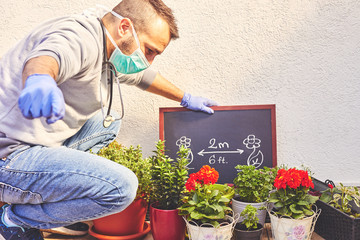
x: 108, y: 67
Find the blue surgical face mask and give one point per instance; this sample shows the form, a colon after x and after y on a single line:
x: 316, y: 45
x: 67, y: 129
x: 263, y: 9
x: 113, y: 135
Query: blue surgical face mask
x: 136, y: 62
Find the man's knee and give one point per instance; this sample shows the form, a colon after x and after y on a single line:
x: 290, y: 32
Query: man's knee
x: 129, y: 193
x: 123, y: 191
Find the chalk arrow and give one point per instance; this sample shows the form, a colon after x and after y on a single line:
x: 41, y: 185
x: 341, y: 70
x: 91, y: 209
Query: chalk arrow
x: 202, y: 152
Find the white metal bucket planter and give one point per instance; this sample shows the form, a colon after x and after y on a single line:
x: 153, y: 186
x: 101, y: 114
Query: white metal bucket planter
x: 293, y: 229
x: 208, y: 232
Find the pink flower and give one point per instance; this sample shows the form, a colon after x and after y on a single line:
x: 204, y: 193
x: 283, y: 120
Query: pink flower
x: 299, y: 232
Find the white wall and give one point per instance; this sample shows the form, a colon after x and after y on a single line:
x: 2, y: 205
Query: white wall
x: 302, y: 55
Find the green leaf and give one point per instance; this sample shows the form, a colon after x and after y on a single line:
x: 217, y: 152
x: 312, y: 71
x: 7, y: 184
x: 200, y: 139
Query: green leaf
x: 348, y: 197
x: 214, y: 193
x: 308, y: 212
x: 191, y: 202
x: 224, y: 200
x: 217, y: 207
x: 273, y: 200
x: 294, y: 210
x: 311, y: 199
x: 196, y: 215
x: 195, y: 198
x: 325, y: 198
x: 303, y: 203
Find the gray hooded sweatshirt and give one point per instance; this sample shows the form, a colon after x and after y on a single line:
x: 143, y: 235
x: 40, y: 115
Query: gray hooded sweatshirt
x: 76, y: 42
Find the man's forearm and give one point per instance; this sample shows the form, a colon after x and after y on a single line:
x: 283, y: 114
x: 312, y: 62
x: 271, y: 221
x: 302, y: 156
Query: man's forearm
x: 41, y: 65
x: 164, y: 88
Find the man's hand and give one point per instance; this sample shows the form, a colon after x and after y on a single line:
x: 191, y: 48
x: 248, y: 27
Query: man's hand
x: 42, y: 98
x: 197, y: 103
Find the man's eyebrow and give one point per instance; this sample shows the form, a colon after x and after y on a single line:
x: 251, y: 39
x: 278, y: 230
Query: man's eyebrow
x: 153, y: 48
x: 157, y: 51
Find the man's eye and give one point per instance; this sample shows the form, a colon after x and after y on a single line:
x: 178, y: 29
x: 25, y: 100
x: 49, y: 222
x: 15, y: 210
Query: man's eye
x: 149, y: 51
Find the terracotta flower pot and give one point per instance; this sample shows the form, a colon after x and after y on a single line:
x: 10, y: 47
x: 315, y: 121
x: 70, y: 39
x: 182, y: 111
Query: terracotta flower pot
x: 128, y: 222
x: 137, y: 236
x: 166, y: 224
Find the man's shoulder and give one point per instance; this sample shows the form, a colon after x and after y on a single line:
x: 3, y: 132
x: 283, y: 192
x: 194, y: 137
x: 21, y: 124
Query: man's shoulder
x: 76, y: 23
x: 77, y: 29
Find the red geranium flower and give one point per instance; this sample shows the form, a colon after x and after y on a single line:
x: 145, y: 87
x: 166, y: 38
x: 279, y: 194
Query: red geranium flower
x: 306, y: 180
x: 205, y: 176
x: 190, y: 184
x: 292, y: 178
x: 280, y: 180
x: 208, y: 175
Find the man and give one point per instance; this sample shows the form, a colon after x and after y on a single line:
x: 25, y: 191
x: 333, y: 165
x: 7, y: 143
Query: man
x: 51, y: 101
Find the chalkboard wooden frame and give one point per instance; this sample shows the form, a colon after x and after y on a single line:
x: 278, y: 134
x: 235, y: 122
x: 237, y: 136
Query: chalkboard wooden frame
x: 270, y: 107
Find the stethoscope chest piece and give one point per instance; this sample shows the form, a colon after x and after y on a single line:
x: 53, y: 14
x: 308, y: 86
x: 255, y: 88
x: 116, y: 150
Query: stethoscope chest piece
x: 107, y: 121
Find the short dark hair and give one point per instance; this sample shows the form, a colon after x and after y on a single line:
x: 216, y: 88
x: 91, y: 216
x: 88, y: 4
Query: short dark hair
x: 140, y: 12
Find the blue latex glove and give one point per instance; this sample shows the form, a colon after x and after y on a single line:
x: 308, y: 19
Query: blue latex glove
x: 197, y: 103
x: 42, y: 98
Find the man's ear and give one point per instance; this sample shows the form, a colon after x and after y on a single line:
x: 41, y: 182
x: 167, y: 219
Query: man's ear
x: 124, y: 27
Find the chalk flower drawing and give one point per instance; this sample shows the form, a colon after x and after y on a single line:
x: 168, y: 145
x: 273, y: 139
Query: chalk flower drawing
x: 186, y: 142
x: 255, y: 158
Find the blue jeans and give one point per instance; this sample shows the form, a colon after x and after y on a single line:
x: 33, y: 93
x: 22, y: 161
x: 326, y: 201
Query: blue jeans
x: 52, y: 187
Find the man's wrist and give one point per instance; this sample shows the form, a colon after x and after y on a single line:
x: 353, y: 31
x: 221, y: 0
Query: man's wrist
x: 36, y: 78
x: 185, y: 100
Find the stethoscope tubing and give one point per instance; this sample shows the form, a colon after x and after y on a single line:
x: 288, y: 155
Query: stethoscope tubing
x: 108, y: 67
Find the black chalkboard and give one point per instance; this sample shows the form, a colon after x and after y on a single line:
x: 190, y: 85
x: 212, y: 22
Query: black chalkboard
x: 233, y: 135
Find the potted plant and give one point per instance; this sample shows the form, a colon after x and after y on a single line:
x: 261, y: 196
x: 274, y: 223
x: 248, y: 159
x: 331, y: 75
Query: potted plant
x: 131, y: 221
x: 252, y: 186
x: 292, y: 215
x: 249, y: 228
x: 168, y: 177
x: 340, y: 211
x: 206, y: 209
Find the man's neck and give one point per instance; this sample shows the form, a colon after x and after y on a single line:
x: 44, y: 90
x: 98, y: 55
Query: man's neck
x: 108, y: 26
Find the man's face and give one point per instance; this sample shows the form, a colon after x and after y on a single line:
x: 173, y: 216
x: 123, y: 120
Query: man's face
x: 152, y: 42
